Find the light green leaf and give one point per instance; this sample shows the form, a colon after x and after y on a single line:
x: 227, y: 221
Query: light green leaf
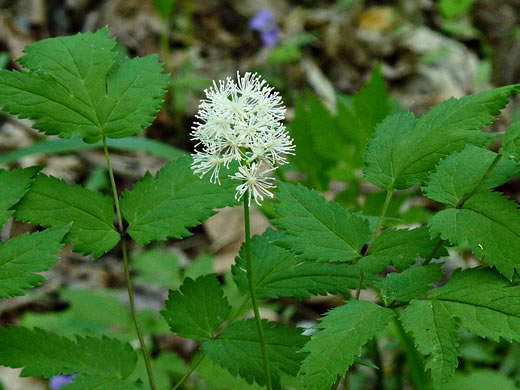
x: 197, y: 309
x: 24, y: 255
x: 279, y: 273
x: 45, y: 354
x: 14, y: 185
x: 158, y: 266
x: 480, y: 300
x: 489, y: 224
x: 238, y: 350
x: 51, y: 202
x: 176, y: 200
x: 480, y: 379
x: 306, y: 217
x: 344, y: 331
x: 460, y: 175
x: 79, y: 86
x: 401, y: 248
x: 410, y: 284
x: 511, y: 142
x: 405, y: 149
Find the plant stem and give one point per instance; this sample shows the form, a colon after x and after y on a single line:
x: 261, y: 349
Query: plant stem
x: 376, y: 356
x: 193, y: 366
x: 127, y: 269
x: 388, y: 197
x: 412, y: 356
x: 252, y: 291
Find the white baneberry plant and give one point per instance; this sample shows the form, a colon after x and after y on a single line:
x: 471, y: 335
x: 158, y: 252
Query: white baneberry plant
x: 242, y: 121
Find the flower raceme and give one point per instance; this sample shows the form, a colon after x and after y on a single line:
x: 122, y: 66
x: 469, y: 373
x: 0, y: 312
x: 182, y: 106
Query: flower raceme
x: 242, y: 121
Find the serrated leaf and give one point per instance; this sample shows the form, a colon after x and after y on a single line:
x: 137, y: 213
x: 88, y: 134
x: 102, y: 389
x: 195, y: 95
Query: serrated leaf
x: 238, y: 350
x: 480, y: 300
x: 405, y: 149
x: 14, y: 185
x: 24, y: 255
x: 344, y: 331
x: 410, y: 284
x: 317, y: 229
x: 41, y: 353
x: 51, y: 202
x: 176, y: 200
x: 460, y: 175
x: 83, y: 382
x: 511, y: 142
x: 197, y: 309
x: 400, y: 247
x: 489, y: 224
x: 80, y: 86
x: 279, y: 273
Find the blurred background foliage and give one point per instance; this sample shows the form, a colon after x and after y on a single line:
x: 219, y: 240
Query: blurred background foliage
x: 341, y: 66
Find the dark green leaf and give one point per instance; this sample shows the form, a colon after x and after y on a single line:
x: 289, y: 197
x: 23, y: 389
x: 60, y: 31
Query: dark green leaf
x: 14, y: 185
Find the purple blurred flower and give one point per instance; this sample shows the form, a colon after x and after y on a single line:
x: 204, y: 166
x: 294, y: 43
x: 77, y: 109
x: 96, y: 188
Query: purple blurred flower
x: 263, y: 21
x: 57, y: 382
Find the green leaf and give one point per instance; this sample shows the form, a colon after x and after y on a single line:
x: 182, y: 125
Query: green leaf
x: 279, y: 273
x: 165, y: 8
x: 489, y: 224
x: 158, y: 266
x: 410, y: 284
x: 401, y: 248
x: 460, y: 175
x: 24, y: 255
x: 480, y: 379
x: 197, y: 309
x: 312, y: 129
x: 14, y: 185
x: 306, y: 217
x: 41, y: 353
x: 176, y: 200
x: 80, y: 86
x: 83, y: 382
x: 405, y: 149
x: 238, y: 350
x: 357, y: 121
x: 344, y: 331
x: 480, y: 300
x: 51, y: 202
x: 511, y: 142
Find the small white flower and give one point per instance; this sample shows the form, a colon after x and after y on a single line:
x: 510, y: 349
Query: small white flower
x: 241, y: 121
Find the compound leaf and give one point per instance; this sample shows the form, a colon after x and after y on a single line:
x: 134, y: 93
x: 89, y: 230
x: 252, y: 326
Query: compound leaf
x: 14, y: 185
x: 489, y: 224
x: 279, y: 273
x: 80, y: 86
x: 412, y: 283
x: 24, y: 255
x: 401, y: 248
x: 45, y: 354
x: 238, y: 350
x: 176, y: 200
x: 333, y: 349
x: 197, y: 309
x: 405, y: 149
x: 51, y: 202
x: 460, y: 175
x: 511, y: 142
x: 306, y: 217
x: 480, y: 300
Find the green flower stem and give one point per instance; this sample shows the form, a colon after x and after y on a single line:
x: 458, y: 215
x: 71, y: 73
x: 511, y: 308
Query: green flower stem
x: 127, y: 269
x: 379, y: 226
x: 252, y: 291
x: 413, y: 357
x: 194, y: 364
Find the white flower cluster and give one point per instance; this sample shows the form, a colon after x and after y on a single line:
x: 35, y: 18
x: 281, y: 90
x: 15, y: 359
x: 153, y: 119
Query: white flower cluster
x: 242, y: 121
